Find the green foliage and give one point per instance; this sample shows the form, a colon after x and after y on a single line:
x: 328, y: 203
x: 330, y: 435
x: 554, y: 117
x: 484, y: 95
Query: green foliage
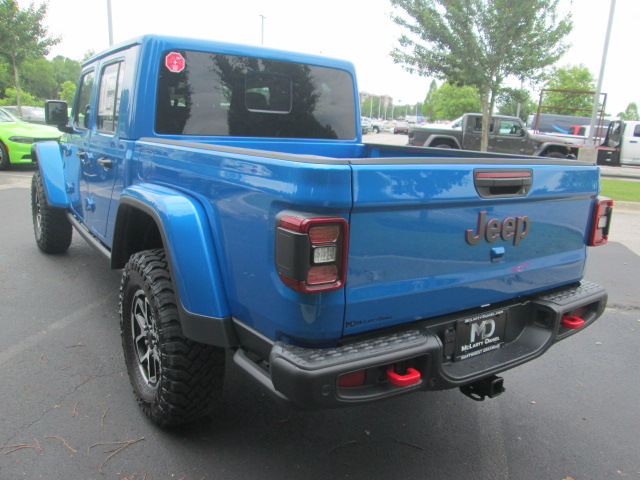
x: 630, y: 113
x: 65, y: 69
x: 569, y: 77
x: 22, y: 37
x: 516, y: 102
x: 5, y: 78
x: 480, y: 43
x: 27, y: 98
x: 43, y: 79
x: 428, y: 105
x: 38, y: 78
x: 450, y: 101
x: 374, y: 107
x: 67, y: 92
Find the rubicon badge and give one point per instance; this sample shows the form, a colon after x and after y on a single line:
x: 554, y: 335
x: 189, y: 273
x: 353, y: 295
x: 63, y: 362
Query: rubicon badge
x: 511, y: 229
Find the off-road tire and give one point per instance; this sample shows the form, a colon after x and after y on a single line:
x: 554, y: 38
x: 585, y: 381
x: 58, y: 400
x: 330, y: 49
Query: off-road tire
x: 553, y: 154
x: 5, y: 163
x: 442, y: 145
x: 50, y: 224
x: 174, y: 379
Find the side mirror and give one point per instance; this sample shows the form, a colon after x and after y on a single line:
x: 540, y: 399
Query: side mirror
x: 56, y: 113
x: 523, y: 132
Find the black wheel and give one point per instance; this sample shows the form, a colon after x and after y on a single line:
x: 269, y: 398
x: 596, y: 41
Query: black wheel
x: 5, y: 164
x: 554, y: 155
x: 174, y: 379
x: 441, y: 145
x: 50, y: 224
x: 376, y: 130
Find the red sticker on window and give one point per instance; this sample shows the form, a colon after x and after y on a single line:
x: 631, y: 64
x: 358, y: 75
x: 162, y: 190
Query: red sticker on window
x: 174, y: 62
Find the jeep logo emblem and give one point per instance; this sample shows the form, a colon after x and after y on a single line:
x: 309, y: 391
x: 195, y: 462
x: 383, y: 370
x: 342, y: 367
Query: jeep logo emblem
x: 510, y: 229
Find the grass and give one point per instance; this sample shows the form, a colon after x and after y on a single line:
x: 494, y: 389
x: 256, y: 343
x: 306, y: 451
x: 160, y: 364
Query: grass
x: 622, y: 190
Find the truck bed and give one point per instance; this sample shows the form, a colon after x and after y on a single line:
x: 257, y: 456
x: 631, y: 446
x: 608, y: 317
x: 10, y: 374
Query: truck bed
x: 408, y: 209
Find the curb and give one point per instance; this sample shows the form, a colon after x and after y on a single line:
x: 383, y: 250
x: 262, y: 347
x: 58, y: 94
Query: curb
x: 626, y: 206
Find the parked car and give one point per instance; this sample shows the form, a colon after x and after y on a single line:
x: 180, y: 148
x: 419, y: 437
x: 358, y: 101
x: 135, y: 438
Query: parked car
x: 401, y: 127
x: 29, y: 114
x: 366, y: 124
x: 16, y: 138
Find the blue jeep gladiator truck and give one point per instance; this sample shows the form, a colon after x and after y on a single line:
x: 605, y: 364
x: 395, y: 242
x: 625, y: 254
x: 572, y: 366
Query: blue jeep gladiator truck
x: 231, y: 186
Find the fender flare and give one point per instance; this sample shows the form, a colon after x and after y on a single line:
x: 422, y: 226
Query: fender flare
x: 49, y: 156
x: 188, y: 241
x: 436, y: 138
x: 558, y: 146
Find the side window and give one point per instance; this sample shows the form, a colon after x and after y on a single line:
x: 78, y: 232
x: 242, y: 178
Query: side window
x: 109, y: 97
x: 478, y: 125
x: 81, y: 109
x: 636, y: 131
x: 509, y: 127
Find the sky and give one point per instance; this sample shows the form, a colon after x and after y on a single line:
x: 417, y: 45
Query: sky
x: 360, y: 31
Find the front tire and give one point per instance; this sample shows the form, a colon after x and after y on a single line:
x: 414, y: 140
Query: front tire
x: 50, y: 224
x: 175, y: 380
x: 5, y: 163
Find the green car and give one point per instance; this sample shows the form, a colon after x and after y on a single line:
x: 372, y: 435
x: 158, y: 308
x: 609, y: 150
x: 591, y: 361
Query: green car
x: 16, y: 138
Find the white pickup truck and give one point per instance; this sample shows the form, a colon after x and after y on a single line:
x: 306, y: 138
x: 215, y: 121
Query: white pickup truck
x: 621, y: 146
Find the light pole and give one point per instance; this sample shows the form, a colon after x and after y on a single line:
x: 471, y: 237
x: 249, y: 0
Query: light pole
x: 596, y: 98
x: 262, y: 34
x: 109, y: 22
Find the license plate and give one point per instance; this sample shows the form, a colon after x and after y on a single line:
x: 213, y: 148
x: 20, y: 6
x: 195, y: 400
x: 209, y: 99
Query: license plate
x: 480, y: 334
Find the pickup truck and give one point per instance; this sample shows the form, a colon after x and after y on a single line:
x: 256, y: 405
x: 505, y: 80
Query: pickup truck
x: 506, y: 135
x: 232, y: 187
x: 621, y: 145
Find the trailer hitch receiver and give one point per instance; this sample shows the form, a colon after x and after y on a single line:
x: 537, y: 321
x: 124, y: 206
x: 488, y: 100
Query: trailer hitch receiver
x: 488, y: 387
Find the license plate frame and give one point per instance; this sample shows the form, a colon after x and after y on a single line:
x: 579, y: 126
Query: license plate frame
x: 480, y: 334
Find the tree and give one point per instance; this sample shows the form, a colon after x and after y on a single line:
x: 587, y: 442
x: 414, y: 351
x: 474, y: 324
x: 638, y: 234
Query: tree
x: 38, y: 78
x: 65, y: 69
x: 631, y: 113
x: 427, y: 106
x: 480, y: 43
x: 67, y: 92
x: 569, y: 77
x: 11, y: 98
x: 450, y: 101
x: 516, y: 102
x: 22, y: 37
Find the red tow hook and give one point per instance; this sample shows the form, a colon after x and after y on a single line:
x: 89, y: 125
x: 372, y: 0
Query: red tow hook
x: 572, y: 322
x: 410, y: 378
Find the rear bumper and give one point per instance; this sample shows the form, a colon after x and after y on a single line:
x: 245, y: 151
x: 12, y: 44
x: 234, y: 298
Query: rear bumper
x: 309, y: 377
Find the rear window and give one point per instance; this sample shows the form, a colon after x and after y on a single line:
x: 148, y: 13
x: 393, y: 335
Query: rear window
x: 213, y: 94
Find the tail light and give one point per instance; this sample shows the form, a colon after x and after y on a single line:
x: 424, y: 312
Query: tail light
x: 311, y: 252
x: 601, y: 222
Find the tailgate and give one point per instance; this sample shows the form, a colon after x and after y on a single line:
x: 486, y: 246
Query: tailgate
x: 428, y: 240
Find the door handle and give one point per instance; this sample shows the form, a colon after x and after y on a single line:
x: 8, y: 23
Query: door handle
x: 105, y: 163
x: 84, y: 158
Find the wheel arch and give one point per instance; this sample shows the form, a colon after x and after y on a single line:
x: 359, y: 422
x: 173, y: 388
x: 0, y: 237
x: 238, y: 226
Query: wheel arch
x: 548, y: 148
x: 48, y: 156
x: 150, y: 216
x: 435, y: 139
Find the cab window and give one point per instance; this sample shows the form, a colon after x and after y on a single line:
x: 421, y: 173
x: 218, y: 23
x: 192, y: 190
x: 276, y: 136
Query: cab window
x: 202, y: 93
x: 82, y: 108
x: 477, y: 127
x: 109, y: 97
x: 510, y: 127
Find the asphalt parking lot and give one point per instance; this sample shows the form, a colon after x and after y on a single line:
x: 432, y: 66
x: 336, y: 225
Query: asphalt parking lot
x: 68, y: 411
